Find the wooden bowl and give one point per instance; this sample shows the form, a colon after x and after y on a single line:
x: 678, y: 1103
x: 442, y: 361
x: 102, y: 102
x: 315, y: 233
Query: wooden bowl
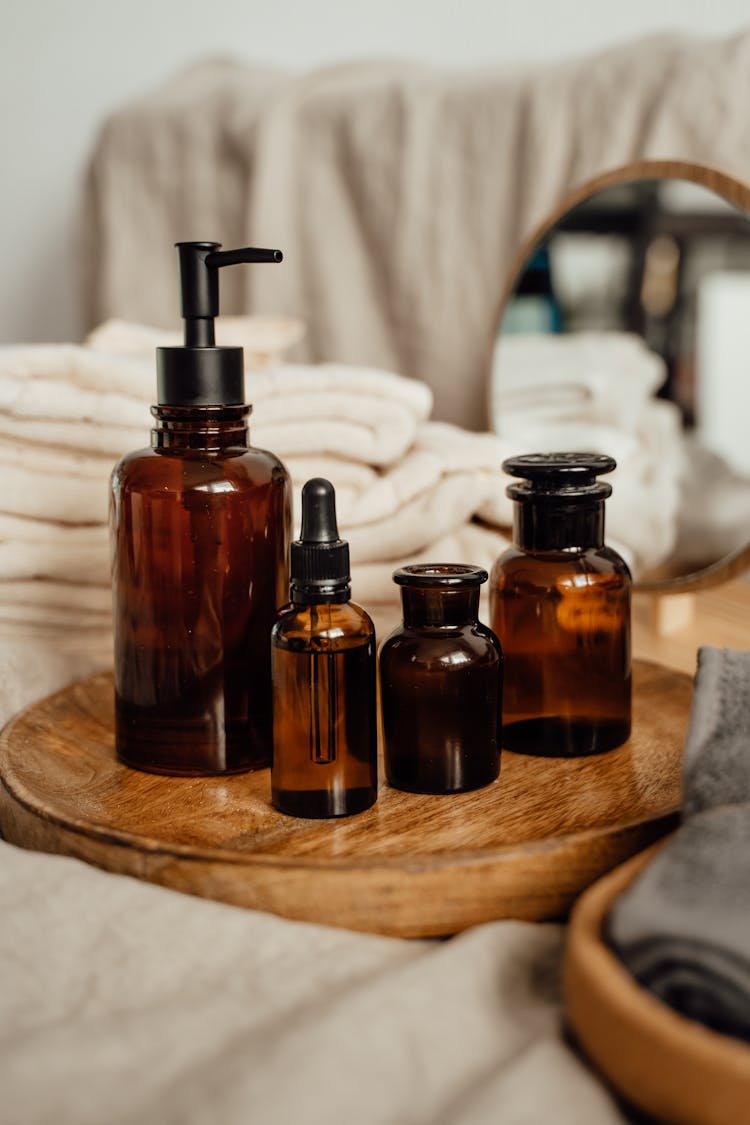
x: 673, y: 1068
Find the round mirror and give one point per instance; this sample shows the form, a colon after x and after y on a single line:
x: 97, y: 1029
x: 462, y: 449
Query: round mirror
x: 626, y: 330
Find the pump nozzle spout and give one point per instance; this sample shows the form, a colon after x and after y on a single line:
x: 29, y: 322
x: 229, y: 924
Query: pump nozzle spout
x: 199, y: 283
x: 248, y: 254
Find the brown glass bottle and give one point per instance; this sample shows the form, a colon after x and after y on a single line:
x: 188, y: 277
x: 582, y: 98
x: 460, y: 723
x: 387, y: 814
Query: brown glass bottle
x: 560, y: 604
x: 323, y: 661
x: 441, y: 684
x: 200, y: 528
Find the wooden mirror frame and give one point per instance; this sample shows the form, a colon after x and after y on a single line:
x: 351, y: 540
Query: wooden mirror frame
x: 727, y: 186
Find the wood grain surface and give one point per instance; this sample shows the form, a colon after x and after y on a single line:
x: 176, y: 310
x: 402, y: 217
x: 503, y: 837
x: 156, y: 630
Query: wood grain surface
x: 411, y: 866
x: 671, y: 1067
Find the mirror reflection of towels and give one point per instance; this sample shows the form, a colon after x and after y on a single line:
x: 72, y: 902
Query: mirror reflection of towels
x: 595, y: 391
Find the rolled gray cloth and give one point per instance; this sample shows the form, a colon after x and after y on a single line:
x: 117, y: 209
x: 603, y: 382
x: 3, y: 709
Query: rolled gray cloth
x: 683, y: 927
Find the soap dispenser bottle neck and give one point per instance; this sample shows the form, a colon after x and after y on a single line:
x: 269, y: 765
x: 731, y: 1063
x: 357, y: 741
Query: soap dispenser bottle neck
x: 205, y: 429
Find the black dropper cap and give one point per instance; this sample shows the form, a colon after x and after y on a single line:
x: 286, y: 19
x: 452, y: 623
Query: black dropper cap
x: 199, y: 373
x: 319, y: 560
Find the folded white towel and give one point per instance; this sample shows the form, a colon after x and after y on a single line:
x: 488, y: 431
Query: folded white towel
x: 599, y: 375
x: 53, y: 400
x: 265, y: 339
x: 55, y: 605
x: 440, y: 451
x: 373, y: 582
x: 40, y: 549
x: 352, y: 480
x: 414, y: 525
x: 81, y: 367
x: 460, y: 450
x: 55, y: 484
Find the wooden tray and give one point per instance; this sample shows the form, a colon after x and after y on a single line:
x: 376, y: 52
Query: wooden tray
x: 412, y: 866
x: 667, y: 1065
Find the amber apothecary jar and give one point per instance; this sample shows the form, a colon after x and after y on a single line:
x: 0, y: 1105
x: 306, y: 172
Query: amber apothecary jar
x: 441, y: 684
x: 560, y: 604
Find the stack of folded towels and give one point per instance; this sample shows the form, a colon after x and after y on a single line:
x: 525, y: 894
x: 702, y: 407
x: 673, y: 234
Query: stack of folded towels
x: 408, y: 489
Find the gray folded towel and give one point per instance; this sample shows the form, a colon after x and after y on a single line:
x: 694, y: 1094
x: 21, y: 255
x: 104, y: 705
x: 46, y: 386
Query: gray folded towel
x: 683, y: 927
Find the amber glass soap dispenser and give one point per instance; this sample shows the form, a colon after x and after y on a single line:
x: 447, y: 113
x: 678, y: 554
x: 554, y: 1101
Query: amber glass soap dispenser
x: 560, y: 604
x: 200, y: 526
x: 323, y: 660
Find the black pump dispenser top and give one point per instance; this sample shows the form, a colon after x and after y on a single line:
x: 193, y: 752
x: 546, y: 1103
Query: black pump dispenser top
x: 200, y: 373
x: 319, y: 560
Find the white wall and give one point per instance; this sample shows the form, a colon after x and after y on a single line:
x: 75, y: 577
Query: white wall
x: 65, y: 63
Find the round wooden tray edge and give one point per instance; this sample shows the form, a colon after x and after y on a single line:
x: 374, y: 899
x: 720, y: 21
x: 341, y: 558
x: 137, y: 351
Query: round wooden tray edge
x: 475, y: 858
x: 487, y: 894
x: 510, y: 853
x: 408, y: 895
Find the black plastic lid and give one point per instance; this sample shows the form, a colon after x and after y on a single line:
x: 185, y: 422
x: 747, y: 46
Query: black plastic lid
x: 559, y: 477
x: 319, y: 559
x: 200, y: 373
x: 430, y: 575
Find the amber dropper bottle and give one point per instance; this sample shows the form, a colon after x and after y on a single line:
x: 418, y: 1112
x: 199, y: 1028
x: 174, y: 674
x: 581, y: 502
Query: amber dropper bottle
x: 323, y: 669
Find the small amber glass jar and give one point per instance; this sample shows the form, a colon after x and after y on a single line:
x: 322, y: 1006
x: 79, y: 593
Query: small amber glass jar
x: 560, y: 604
x: 441, y: 684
